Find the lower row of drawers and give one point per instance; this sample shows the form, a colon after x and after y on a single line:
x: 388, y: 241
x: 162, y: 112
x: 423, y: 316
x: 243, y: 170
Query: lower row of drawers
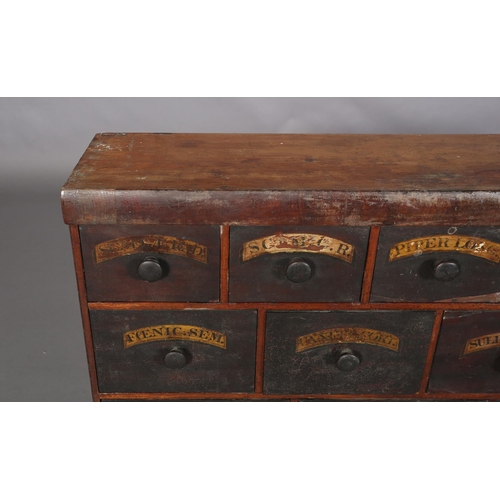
x: 314, y: 352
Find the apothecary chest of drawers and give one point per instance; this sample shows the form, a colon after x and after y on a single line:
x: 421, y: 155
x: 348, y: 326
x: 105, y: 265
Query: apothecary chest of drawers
x: 288, y: 267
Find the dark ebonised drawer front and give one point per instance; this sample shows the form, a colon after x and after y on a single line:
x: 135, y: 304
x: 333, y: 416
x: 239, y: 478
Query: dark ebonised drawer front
x: 437, y: 263
x: 467, y: 358
x: 297, y: 263
x: 151, y: 263
x: 346, y: 352
x: 174, y: 351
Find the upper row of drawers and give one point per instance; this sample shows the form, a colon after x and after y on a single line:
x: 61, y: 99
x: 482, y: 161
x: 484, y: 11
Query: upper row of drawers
x: 290, y: 263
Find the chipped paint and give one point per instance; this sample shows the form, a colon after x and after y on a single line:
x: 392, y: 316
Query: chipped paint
x: 490, y: 297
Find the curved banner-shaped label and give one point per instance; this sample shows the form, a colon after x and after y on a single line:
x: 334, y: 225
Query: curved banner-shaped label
x: 347, y: 336
x: 477, y: 344
x: 174, y: 332
x: 478, y: 247
x: 312, y: 243
x: 153, y: 243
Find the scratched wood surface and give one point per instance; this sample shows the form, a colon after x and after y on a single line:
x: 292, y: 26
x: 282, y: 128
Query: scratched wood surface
x: 84, y: 310
x: 290, y: 162
x: 406, y: 258
x: 295, y: 397
x: 302, y: 349
x: 263, y: 278
x: 468, y: 354
x: 138, y: 366
x: 127, y: 181
x: 116, y: 278
x: 285, y: 179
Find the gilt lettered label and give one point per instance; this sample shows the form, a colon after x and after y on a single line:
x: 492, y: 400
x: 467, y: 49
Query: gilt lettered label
x: 478, y: 247
x: 119, y: 247
x: 174, y: 332
x: 491, y: 341
x: 288, y: 243
x: 346, y: 336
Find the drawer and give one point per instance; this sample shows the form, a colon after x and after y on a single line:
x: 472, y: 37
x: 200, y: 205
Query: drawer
x: 467, y: 358
x: 358, y: 352
x: 174, y: 351
x: 151, y: 263
x: 438, y: 263
x: 297, y: 263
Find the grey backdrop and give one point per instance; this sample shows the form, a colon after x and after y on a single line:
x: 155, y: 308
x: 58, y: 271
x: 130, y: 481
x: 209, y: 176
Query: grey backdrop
x: 42, y: 355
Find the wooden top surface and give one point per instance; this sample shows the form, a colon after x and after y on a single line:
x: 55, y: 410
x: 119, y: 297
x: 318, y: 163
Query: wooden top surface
x: 289, y: 162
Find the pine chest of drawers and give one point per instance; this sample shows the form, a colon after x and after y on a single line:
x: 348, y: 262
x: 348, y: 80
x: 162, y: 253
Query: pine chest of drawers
x: 288, y: 267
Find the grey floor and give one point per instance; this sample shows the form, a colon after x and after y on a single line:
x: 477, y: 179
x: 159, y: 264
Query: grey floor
x: 42, y: 354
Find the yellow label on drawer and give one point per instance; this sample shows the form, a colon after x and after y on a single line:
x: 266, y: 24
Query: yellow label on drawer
x: 491, y: 341
x: 346, y: 336
x: 311, y: 243
x: 478, y: 247
x: 152, y: 243
x: 174, y: 332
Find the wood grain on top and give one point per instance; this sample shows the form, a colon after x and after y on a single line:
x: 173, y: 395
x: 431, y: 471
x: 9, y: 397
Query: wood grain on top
x: 287, y: 179
x: 288, y: 162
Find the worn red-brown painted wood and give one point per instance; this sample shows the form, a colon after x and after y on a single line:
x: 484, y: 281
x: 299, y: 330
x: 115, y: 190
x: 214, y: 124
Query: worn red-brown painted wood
x: 321, y: 208
x: 432, y: 349
x: 371, y: 255
x: 227, y: 180
x: 271, y: 179
x: 87, y: 331
x: 289, y: 162
x: 224, y: 264
x: 300, y: 397
x: 292, y: 306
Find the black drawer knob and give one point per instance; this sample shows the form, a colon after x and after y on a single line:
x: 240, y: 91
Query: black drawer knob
x: 176, y: 358
x: 150, y: 269
x: 298, y: 270
x: 347, y: 361
x: 446, y: 270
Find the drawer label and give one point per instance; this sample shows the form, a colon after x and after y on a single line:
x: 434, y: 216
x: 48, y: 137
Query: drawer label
x: 154, y: 244
x: 478, y: 247
x: 311, y: 243
x: 174, y: 332
x: 347, y: 335
x: 491, y: 341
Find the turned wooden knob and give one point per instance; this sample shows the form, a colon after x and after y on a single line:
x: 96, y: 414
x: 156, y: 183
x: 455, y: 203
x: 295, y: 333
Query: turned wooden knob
x: 347, y: 361
x: 446, y: 270
x: 176, y: 358
x: 298, y: 270
x: 150, y: 269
